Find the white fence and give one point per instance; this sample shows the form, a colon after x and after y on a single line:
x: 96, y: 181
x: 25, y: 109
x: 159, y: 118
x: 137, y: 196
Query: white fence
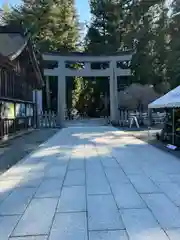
x: 47, y: 120
x: 126, y: 116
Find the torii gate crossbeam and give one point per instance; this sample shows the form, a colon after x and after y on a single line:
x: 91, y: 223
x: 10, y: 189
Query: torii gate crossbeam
x: 113, y: 71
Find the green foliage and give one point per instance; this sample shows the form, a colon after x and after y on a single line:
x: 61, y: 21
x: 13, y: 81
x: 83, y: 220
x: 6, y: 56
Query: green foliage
x: 174, y: 46
x: 90, y: 95
x: 105, y: 32
x: 138, y: 25
x: 76, y: 93
x: 53, y: 23
x: 143, y: 26
x: 4, y: 12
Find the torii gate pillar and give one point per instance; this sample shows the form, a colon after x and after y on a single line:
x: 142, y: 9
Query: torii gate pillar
x: 112, y: 71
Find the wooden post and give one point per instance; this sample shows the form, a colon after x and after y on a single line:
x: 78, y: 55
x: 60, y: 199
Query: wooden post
x: 35, y: 111
x: 48, y: 94
x: 173, y: 126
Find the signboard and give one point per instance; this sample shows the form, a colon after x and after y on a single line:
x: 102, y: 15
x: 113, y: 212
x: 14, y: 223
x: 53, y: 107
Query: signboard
x: 7, y: 110
x: 29, y: 110
x: 172, y: 147
x: 20, y: 110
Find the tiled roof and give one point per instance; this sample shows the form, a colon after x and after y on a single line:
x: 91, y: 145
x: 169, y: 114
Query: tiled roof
x: 11, y: 43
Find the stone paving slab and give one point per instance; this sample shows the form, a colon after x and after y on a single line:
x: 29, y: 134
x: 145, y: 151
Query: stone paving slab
x: 100, y: 187
x: 77, y: 164
x: 167, y: 214
x: 17, y: 202
x: 130, y: 167
x: 174, y: 234
x: 7, y: 224
x: 174, y: 178
x: 73, y: 199
x: 37, y: 219
x: 22, y: 145
x: 126, y: 196
x: 158, y: 176
x: 75, y: 178
x: 103, y: 213
x: 32, y: 179
x: 116, y: 176
x: 49, y: 188
x: 141, y: 224
x: 96, y: 182
x: 172, y: 190
x: 7, y: 186
x: 106, y: 235
x: 92, y: 183
x: 143, y: 184
x: 30, y: 238
x: 56, y: 172
x: 93, y: 164
x: 109, y: 162
x: 69, y: 226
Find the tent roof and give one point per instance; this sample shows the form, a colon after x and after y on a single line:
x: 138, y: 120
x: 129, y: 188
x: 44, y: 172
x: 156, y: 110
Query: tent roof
x: 169, y: 100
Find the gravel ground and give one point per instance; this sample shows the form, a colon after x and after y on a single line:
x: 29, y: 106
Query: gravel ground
x: 14, y: 150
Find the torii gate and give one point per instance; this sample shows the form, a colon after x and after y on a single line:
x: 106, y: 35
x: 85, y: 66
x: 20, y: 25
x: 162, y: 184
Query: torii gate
x: 116, y: 66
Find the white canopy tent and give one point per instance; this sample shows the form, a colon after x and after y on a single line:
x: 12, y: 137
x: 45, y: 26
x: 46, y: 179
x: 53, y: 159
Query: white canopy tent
x: 169, y: 100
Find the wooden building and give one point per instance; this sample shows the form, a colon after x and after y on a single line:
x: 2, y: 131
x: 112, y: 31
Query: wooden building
x: 20, y: 80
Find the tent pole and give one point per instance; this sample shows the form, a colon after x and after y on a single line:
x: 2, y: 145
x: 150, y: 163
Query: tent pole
x: 149, y: 123
x: 173, y: 127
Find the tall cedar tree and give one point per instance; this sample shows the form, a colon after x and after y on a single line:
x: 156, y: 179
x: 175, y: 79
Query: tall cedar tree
x: 53, y: 23
x: 137, y: 25
x: 174, y: 46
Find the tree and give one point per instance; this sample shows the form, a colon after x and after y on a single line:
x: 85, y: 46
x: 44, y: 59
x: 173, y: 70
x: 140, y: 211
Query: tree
x: 174, y: 46
x: 76, y: 93
x: 137, y: 96
x: 4, y: 11
x: 53, y: 24
x: 138, y: 25
x: 105, y: 32
x: 146, y: 26
x: 160, y: 48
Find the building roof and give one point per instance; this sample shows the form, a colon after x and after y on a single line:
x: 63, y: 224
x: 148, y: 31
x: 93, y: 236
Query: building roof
x: 12, y: 44
x: 13, y: 40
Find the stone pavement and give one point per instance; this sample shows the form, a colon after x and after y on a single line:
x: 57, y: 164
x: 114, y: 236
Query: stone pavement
x: 25, y: 144
x: 90, y: 184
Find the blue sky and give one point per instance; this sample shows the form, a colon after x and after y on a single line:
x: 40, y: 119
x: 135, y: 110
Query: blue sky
x: 83, y: 10
x: 82, y: 7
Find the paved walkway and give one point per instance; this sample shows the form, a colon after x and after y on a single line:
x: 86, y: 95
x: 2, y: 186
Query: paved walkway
x: 25, y: 144
x: 90, y: 184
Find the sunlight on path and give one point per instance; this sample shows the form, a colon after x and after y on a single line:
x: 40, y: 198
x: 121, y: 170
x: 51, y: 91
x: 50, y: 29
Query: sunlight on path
x: 92, y: 183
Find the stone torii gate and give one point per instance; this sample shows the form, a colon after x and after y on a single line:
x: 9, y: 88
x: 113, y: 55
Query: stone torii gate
x: 116, y: 65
